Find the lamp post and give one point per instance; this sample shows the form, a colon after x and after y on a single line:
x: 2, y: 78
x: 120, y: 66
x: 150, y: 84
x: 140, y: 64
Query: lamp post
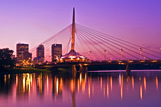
x: 105, y: 52
x: 121, y: 54
x: 90, y: 55
x: 140, y: 49
x: 160, y: 51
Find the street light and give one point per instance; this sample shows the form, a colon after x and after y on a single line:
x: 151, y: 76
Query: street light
x: 121, y: 53
x: 140, y: 49
x: 144, y: 57
x: 90, y: 55
x: 160, y: 51
x: 105, y: 52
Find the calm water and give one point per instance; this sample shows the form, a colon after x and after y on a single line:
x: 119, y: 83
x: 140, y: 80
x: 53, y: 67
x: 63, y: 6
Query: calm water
x: 141, y: 89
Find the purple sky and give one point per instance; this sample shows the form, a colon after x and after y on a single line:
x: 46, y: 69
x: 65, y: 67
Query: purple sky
x: 33, y: 21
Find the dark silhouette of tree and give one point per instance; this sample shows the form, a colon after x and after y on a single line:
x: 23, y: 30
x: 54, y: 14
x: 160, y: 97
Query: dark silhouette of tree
x: 7, y: 59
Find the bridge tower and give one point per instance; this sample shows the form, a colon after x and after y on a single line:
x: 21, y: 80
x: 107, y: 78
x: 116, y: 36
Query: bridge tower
x: 72, y: 55
x: 73, y: 31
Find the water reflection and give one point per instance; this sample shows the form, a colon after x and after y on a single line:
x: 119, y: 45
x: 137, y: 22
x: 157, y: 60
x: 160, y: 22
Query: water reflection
x: 83, y: 88
x: 156, y: 83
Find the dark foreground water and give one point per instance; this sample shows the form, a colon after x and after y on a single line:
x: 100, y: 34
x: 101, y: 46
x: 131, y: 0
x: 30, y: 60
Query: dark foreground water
x: 106, y: 89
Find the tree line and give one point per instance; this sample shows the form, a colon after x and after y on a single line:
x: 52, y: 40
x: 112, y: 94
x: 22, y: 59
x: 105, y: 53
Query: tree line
x: 7, y: 59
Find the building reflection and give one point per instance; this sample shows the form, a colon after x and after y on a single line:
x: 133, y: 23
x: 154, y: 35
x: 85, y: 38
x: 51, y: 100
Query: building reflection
x: 156, y: 80
x: 40, y: 84
x: 122, y: 83
x: 6, y: 84
x: 132, y: 82
x: 107, y: 90
x: 141, y: 92
x: 144, y: 83
x: 23, y: 84
x: 111, y: 82
x: 57, y: 87
x: 32, y: 85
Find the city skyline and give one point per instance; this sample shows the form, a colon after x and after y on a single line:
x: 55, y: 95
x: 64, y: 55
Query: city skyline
x: 80, y: 53
x: 134, y: 21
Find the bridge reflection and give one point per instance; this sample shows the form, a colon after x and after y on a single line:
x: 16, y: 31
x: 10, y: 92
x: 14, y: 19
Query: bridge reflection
x: 33, y: 86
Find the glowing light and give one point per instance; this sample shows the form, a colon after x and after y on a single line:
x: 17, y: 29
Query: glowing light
x: 72, y: 86
x: 72, y: 57
x: 85, y: 76
x: 121, y: 92
x: 83, y: 86
x: 8, y: 76
x: 78, y: 86
x: 141, y: 92
x: 154, y: 61
x: 156, y: 81
x: 120, y: 79
x: 122, y: 86
x: 31, y: 78
x: 122, y: 63
x: 107, y: 90
x: 24, y: 83
x: 47, y: 83
x: 82, y: 57
x: 132, y: 80
x: 142, y: 61
x: 85, y: 64
x: 57, y: 86
x: 16, y: 80
x: 89, y: 91
x: 145, y: 83
x: 5, y: 79
x: 111, y: 82
x: 101, y: 82
x: 131, y: 61
x: 61, y: 84
x: 80, y: 78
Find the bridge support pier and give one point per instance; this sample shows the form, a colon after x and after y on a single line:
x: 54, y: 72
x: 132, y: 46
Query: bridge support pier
x: 83, y: 68
x: 128, y: 70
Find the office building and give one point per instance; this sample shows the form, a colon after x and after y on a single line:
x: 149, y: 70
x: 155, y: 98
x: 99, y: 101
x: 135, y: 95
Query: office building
x: 23, y: 52
x: 40, y: 54
x: 56, y: 52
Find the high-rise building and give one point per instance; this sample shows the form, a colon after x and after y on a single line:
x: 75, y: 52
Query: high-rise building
x: 56, y: 52
x: 40, y: 53
x: 23, y: 52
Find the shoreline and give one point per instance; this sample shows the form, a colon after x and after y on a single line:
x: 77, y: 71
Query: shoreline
x: 23, y: 70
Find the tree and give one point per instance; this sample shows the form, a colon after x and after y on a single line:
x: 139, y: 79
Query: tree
x: 7, y: 59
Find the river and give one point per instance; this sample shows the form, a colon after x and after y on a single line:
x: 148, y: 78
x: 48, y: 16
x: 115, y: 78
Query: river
x: 95, y: 89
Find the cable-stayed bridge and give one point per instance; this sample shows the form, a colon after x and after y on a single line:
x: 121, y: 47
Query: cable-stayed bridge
x: 85, y: 46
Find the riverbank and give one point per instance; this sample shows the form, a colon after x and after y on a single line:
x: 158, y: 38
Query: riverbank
x: 23, y: 70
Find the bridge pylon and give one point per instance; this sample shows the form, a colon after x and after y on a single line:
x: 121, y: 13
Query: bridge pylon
x: 73, y: 31
x: 72, y: 55
x: 128, y: 70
